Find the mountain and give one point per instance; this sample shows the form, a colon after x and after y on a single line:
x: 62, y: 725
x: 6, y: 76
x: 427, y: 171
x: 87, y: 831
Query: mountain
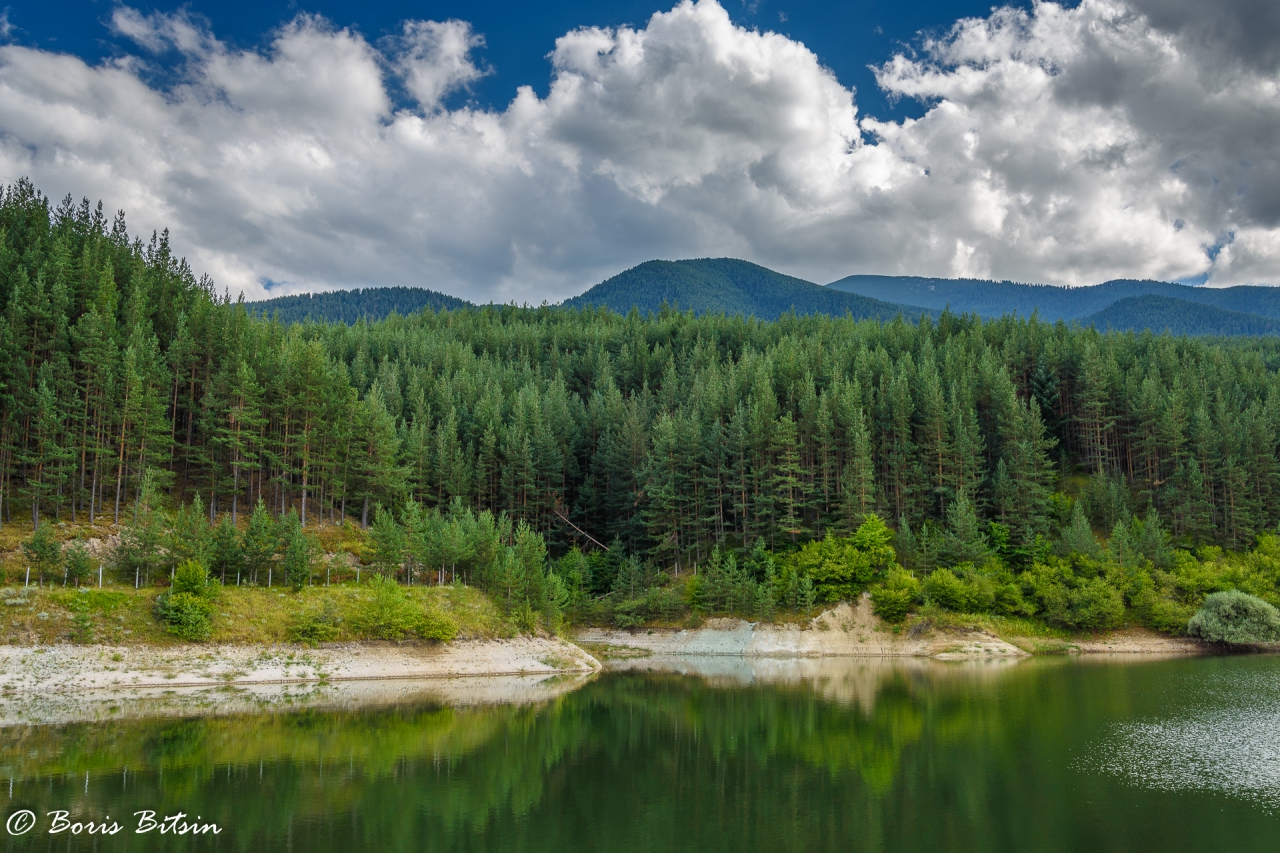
x: 1178, y: 316
x: 713, y: 285
x: 996, y: 298
x: 347, y: 306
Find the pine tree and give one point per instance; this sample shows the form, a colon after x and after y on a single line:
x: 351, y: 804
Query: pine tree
x: 261, y: 542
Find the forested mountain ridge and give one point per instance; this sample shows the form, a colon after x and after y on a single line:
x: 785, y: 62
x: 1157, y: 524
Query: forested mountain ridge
x: 997, y: 298
x: 1179, y: 317
x: 348, y: 306
x: 728, y: 286
x: 675, y: 438
x: 725, y: 285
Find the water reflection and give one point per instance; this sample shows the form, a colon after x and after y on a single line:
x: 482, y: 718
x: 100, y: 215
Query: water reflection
x: 722, y: 754
x: 1228, y: 741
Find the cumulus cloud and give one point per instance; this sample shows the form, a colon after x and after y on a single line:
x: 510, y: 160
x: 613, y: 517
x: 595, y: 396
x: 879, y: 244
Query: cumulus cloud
x: 435, y: 58
x: 1061, y: 145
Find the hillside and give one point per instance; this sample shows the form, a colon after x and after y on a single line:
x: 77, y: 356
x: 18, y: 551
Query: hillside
x: 996, y: 298
x: 1179, y: 317
x: 715, y: 285
x: 348, y: 306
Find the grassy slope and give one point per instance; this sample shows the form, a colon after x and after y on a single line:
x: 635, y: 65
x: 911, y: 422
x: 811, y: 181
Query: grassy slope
x: 714, y: 285
x: 244, y: 616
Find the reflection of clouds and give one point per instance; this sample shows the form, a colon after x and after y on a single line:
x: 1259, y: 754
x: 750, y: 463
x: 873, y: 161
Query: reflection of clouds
x: 851, y: 681
x: 1233, y: 750
x: 1229, y: 752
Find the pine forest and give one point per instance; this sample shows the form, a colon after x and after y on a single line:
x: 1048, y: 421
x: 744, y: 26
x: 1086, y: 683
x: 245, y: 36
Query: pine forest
x: 641, y: 467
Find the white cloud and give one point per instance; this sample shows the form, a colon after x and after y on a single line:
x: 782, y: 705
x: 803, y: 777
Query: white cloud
x: 1060, y: 145
x: 435, y: 58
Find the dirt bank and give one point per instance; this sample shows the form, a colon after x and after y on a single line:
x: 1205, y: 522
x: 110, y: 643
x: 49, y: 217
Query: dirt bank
x: 1138, y: 641
x: 844, y: 631
x: 849, y: 631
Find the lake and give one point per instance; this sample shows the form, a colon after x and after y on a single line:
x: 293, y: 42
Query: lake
x: 703, y: 755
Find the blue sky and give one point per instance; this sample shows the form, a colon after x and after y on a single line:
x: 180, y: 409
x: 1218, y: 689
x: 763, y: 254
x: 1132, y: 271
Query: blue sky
x: 526, y: 152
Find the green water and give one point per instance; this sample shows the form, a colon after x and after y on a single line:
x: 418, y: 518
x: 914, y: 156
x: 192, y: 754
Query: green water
x: 1057, y: 755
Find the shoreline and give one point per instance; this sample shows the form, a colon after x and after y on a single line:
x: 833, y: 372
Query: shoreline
x: 60, y: 674
x: 54, y: 684
x: 64, y: 668
x: 849, y: 631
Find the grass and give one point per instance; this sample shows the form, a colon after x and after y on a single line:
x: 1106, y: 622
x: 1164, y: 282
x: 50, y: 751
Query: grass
x: 241, y: 616
x: 1011, y: 629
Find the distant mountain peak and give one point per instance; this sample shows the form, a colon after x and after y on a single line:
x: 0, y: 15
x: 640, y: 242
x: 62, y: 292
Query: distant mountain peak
x: 729, y: 286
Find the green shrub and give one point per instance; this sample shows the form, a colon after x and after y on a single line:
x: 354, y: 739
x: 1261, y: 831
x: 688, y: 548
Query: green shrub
x: 1095, y: 606
x: 78, y: 563
x: 893, y: 599
x: 665, y: 602
x: 629, y: 613
x: 437, y: 626
x: 315, y: 625
x: 524, y: 617
x: 1071, y: 600
x: 840, y: 568
x: 389, y: 614
x: 1235, y: 618
x: 43, y: 552
x: 1010, y: 602
x: 81, y: 621
x: 185, y: 615
x: 186, y: 607
x: 944, y: 589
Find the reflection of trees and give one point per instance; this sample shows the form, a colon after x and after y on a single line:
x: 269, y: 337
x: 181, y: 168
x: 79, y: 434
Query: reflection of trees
x: 910, y: 758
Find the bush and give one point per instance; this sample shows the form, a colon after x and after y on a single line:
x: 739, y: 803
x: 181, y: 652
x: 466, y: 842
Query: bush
x: 81, y: 621
x: 893, y: 599
x: 186, y: 615
x: 947, y: 591
x: 1095, y: 606
x: 389, y: 614
x: 629, y: 613
x: 840, y: 568
x: 186, y: 607
x: 1071, y: 601
x: 1235, y: 618
x: 437, y: 626
x: 43, y: 552
x: 663, y: 602
x: 190, y: 577
x: 79, y: 564
x: 315, y: 625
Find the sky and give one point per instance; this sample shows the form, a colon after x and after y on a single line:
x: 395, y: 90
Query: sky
x: 500, y: 151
